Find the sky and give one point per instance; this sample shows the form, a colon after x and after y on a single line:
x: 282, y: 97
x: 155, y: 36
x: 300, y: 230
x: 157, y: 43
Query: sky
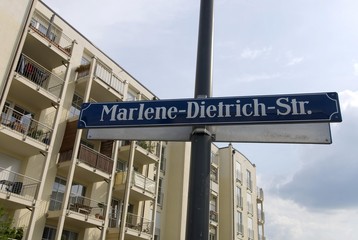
x: 260, y: 48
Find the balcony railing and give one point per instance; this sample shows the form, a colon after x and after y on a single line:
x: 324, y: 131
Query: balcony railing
x: 239, y: 202
x: 51, y: 33
x: 213, y: 216
x: 250, y: 208
x: 42, y: 77
x: 105, y: 74
x: 18, y: 184
x: 251, y: 234
x: 26, y: 125
x: 81, y: 205
x: 139, y: 224
x: 260, y: 194
x: 138, y: 180
x: 260, y: 215
x: 90, y: 157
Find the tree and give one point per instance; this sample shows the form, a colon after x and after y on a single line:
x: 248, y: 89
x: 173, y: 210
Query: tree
x: 6, y: 231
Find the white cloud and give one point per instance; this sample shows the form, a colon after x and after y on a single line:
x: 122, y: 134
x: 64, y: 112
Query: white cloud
x: 249, y: 53
x: 285, y: 220
x: 294, y: 61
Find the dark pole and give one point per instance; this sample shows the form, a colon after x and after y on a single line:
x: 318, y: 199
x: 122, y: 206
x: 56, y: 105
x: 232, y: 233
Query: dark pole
x: 197, y: 224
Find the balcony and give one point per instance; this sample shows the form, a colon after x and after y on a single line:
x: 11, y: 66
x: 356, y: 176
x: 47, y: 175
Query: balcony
x: 43, y: 85
x: 239, y: 202
x: 91, y: 165
x: 251, y: 234
x: 250, y: 208
x: 260, y: 216
x: 17, y: 190
x: 23, y: 134
x: 136, y: 228
x: 81, y: 211
x: 213, y: 216
x: 51, y: 34
x: 106, y: 86
x: 144, y: 153
x: 260, y: 195
x: 142, y: 188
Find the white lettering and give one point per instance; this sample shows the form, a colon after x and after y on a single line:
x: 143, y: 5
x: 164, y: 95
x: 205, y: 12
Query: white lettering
x: 282, y: 102
x: 106, y: 110
x: 193, y: 110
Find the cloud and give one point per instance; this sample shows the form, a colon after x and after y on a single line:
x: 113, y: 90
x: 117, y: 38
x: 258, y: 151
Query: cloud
x: 295, y: 61
x: 328, y: 177
x: 287, y: 220
x: 248, y: 53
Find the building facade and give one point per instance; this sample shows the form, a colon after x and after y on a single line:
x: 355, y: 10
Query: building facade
x: 57, y: 184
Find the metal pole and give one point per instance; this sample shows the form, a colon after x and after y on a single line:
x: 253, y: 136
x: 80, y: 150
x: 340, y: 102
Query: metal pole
x: 197, y: 227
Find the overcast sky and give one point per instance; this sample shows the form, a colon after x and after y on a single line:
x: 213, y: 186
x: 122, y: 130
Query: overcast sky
x: 261, y: 47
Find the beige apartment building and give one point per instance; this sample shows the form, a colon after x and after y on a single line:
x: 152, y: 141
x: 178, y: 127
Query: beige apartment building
x: 57, y: 184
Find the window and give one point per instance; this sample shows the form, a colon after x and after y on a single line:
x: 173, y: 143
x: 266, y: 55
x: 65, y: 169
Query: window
x: 163, y: 160
x: 75, y: 109
x: 250, y: 228
x: 58, y: 191
x: 239, y: 225
x: 248, y: 179
x: 49, y: 233
x: 121, y: 166
x: 238, y: 172
x: 160, y: 193
x: 238, y: 197
x: 131, y: 96
x: 115, y: 213
x: 214, y: 174
x: 249, y: 203
x: 85, y: 61
x: 212, y: 233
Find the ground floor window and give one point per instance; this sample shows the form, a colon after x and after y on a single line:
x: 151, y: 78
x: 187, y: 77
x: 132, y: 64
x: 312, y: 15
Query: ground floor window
x: 50, y: 233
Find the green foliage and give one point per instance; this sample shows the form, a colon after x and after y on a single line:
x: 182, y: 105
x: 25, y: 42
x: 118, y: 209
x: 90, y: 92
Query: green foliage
x: 6, y: 231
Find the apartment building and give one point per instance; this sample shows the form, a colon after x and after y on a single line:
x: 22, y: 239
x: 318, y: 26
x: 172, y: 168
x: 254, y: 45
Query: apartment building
x: 57, y: 184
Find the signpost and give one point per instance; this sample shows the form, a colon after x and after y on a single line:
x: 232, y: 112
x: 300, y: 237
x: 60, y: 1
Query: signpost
x: 294, y: 108
x: 293, y: 118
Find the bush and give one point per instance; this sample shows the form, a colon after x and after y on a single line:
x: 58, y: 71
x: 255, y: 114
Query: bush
x: 6, y: 231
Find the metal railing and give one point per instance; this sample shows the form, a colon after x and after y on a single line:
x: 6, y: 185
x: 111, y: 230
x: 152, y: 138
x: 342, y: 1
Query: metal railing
x: 138, y: 180
x: 105, y: 74
x: 20, y: 185
x: 251, y: 234
x: 49, y: 31
x: 260, y: 194
x: 42, y: 77
x: 90, y: 157
x: 260, y: 216
x: 213, y: 216
x: 250, y: 208
x: 26, y: 125
x: 139, y: 224
x: 81, y: 205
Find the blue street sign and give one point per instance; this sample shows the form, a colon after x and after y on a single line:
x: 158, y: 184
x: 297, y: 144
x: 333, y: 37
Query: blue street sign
x: 295, y: 108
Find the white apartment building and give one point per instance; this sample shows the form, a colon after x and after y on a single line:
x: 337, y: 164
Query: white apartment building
x: 57, y: 184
